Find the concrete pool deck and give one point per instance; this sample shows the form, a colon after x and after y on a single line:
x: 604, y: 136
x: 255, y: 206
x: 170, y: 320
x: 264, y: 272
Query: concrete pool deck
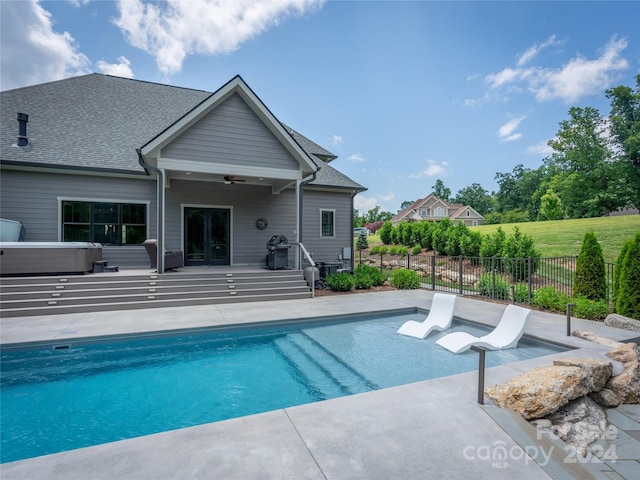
x: 430, y: 429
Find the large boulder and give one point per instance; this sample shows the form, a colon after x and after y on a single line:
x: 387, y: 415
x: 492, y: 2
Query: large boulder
x: 544, y: 390
x: 620, y: 321
x: 579, y: 423
x: 626, y: 386
x: 592, y: 337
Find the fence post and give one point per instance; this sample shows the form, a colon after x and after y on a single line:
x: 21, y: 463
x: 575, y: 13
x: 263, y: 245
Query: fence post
x: 493, y: 278
x: 433, y: 271
x: 460, y: 273
x: 408, y: 261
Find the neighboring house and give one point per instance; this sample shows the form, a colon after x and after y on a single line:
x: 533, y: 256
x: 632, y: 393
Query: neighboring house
x: 115, y: 161
x: 434, y: 209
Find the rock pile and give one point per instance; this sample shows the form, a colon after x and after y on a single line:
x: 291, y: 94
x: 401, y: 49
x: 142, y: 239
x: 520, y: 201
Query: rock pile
x: 571, y: 394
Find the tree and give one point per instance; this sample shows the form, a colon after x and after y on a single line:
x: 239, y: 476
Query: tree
x: 441, y: 191
x: 362, y: 243
x: 405, y: 204
x: 476, y: 197
x: 375, y: 215
x: 588, y: 179
x: 590, y: 277
x: 617, y: 268
x: 517, y: 190
x: 624, y: 119
x: 628, y: 298
x: 550, y: 206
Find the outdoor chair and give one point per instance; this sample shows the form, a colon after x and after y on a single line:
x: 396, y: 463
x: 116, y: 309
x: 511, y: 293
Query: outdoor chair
x: 506, y: 334
x: 171, y: 259
x: 439, y: 317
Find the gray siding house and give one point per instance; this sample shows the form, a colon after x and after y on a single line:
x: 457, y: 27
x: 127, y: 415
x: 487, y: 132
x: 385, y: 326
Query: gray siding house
x: 115, y: 161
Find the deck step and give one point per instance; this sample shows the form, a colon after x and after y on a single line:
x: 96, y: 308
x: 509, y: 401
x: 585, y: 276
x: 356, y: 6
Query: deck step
x: 23, y: 296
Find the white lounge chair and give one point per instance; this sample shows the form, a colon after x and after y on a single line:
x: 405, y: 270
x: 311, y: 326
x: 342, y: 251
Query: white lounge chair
x: 506, y: 334
x: 439, y: 317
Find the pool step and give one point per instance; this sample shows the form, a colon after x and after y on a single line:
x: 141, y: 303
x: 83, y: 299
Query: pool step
x: 22, y: 296
x: 325, y: 372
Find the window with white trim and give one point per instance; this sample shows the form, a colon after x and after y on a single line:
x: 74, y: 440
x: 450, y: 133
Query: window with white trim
x: 107, y: 223
x: 327, y: 223
x: 468, y: 213
x: 439, y: 212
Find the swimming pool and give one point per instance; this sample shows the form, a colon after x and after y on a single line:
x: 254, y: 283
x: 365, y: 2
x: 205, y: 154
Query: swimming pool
x: 60, y: 397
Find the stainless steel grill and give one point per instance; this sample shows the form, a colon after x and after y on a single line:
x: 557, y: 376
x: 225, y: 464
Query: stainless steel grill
x: 278, y: 252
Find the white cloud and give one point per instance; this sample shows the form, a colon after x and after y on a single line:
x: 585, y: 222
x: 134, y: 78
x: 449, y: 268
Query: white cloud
x: 336, y: 140
x: 32, y: 52
x: 356, y: 157
x: 541, y: 148
x: 535, y: 49
x: 121, y: 69
x: 507, y: 132
x: 433, y: 169
x: 172, y: 30
x: 363, y: 203
x: 578, y: 78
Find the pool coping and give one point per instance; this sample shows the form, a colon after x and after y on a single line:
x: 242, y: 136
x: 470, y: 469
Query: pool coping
x: 371, y: 435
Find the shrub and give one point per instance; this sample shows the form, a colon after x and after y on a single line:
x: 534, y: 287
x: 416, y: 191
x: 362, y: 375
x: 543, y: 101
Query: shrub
x: 376, y: 276
x: 493, y: 286
x: 340, y: 282
x: 492, y: 246
x: 590, y: 309
x: 470, y: 245
x: 398, y: 250
x: 426, y: 232
x: 628, y: 295
x: 416, y: 250
x: 590, y: 277
x: 405, y: 279
x: 378, y: 249
x: 521, y: 292
x: 617, y: 269
x: 386, y: 232
x: 492, y: 218
x: 362, y: 281
x: 550, y: 298
x: 440, y: 235
x: 454, y: 238
x: 517, y: 248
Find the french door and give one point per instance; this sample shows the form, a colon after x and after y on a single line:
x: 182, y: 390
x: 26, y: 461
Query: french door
x: 207, y: 236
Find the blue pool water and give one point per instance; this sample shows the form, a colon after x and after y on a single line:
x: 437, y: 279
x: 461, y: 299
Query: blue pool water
x: 62, y: 397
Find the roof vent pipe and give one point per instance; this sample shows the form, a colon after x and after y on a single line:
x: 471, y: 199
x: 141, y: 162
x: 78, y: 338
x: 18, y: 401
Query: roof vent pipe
x: 23, y: 118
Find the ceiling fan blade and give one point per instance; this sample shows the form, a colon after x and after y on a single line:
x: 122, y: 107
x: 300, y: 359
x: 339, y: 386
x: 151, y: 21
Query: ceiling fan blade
x: 232, y: 179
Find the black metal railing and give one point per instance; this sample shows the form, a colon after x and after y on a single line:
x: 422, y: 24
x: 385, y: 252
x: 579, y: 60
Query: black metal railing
x: 509, y: 279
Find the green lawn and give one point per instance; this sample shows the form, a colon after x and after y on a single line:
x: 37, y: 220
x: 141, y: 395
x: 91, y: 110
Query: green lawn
x: 560, y: 238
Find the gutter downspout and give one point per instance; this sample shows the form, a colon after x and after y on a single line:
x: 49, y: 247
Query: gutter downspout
x: 160, y: 208
x: 299, y: 185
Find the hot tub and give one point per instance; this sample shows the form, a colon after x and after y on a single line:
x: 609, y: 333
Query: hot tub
x: 48, y: 258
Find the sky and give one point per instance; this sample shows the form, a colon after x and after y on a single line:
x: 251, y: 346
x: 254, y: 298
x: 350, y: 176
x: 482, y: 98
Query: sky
x: 405, y: 93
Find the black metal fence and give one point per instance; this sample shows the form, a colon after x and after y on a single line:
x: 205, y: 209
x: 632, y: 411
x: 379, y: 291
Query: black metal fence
x: 511, y: 279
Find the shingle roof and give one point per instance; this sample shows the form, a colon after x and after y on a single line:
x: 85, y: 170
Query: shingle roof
x: 97, y: 121
x: 329, y: 176
x: 310, y: 146
x: 91, y: 122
